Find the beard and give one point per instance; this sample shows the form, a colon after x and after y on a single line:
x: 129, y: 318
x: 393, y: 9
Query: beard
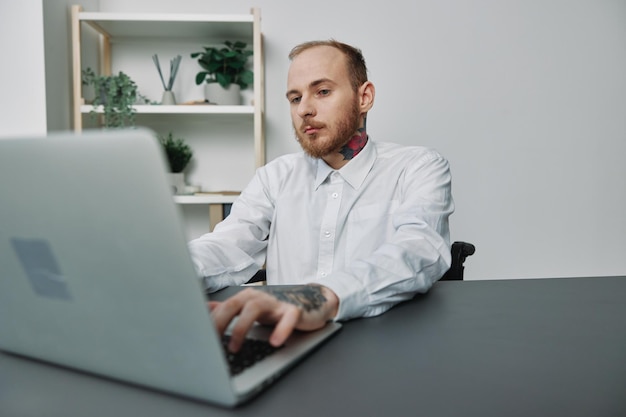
x: 346, y: 127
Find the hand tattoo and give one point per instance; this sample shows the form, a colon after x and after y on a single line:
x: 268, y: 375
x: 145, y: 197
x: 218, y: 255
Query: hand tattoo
x: 308, y: 297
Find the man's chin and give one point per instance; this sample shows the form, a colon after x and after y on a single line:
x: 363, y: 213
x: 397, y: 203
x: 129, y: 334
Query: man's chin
x: 308, y: 147
x: 314, y: 153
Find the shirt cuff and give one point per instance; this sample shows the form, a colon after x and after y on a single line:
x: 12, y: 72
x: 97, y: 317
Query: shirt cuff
x: 353, y: 300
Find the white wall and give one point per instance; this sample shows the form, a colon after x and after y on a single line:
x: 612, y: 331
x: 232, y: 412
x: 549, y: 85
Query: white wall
x: 22, y: 73
x: 527, y: 98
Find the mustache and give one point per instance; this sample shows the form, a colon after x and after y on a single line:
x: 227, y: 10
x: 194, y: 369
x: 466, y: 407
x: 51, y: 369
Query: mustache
x: 308, y: 125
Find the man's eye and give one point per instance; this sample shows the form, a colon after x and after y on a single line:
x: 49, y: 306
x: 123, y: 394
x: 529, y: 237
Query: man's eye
x: 324, y: 92
x: 295, y: 100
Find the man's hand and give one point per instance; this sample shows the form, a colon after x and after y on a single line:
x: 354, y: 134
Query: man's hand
x: 288, y: 307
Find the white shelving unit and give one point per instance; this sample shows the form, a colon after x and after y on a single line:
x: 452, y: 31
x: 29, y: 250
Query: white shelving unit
x: 112, y: 28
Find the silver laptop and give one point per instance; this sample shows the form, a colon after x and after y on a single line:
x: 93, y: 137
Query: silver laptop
x: 95, y: 273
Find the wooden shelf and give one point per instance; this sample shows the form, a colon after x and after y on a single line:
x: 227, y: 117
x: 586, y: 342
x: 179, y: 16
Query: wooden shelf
x: 205, y: 199
x: 181, y: 109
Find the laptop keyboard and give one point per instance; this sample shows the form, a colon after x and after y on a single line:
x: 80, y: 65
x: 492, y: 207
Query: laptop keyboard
x: 252, y: 351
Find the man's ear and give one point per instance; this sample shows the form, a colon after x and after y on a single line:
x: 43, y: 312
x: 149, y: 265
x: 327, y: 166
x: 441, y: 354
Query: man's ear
x: 366, y: 96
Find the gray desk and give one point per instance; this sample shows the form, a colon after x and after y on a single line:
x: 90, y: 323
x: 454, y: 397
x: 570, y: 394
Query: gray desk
x: 553, y: 347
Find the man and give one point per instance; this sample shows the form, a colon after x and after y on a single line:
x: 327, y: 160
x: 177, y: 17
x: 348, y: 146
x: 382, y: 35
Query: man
x: 358, y: 226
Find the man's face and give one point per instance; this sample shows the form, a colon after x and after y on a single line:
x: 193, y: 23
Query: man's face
x: 324, y: 108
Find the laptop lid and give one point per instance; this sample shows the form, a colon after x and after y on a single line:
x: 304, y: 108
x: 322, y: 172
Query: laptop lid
x: 94, y: 268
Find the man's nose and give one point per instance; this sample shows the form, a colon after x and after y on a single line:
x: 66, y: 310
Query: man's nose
x: 305, y: 108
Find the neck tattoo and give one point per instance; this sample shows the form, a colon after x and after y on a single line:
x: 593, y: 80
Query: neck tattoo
x: 354, y: 145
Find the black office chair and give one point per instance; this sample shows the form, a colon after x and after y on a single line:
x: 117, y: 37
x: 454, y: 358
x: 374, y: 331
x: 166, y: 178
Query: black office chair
x: 460, y: 251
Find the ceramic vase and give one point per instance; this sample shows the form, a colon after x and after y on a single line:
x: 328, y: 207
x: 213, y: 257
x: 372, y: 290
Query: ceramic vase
x: 216, y: 94
x: 168, y: 98
x: 177, y: 181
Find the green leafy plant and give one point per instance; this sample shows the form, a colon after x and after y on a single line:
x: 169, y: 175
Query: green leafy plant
x: 225, y: 65
x: 177, y: 151
x: 116, y: 94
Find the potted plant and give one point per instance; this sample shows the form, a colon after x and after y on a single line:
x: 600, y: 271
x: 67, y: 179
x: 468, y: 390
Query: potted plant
x: 116, y: 94
x: 178, y: 154
x: 225, y: 67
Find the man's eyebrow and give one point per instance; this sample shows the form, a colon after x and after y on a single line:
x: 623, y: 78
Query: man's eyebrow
x: 311, y: 84
x: 290, y: 92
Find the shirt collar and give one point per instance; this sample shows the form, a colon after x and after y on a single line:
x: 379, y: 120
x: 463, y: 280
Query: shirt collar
x: 354, y: 172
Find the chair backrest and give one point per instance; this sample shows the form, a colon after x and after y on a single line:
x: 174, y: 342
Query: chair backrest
x: 460, y: 251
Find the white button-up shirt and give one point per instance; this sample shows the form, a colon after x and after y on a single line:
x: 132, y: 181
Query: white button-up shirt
x: 375, y: 231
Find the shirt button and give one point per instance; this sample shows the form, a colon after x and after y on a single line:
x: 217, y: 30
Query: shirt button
x: 335, y: 195
x: 327, y: 233
x: 323, y: 274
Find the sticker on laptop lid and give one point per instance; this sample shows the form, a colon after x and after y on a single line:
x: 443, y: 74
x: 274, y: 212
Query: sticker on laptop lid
x: 41, y: 268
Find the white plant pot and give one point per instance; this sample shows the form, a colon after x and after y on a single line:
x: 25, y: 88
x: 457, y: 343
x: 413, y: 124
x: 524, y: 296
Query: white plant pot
x: 177, y: 181
x: 216, y: 94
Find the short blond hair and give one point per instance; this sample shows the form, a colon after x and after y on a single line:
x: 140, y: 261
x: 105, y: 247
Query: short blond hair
x: 357, y: 69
